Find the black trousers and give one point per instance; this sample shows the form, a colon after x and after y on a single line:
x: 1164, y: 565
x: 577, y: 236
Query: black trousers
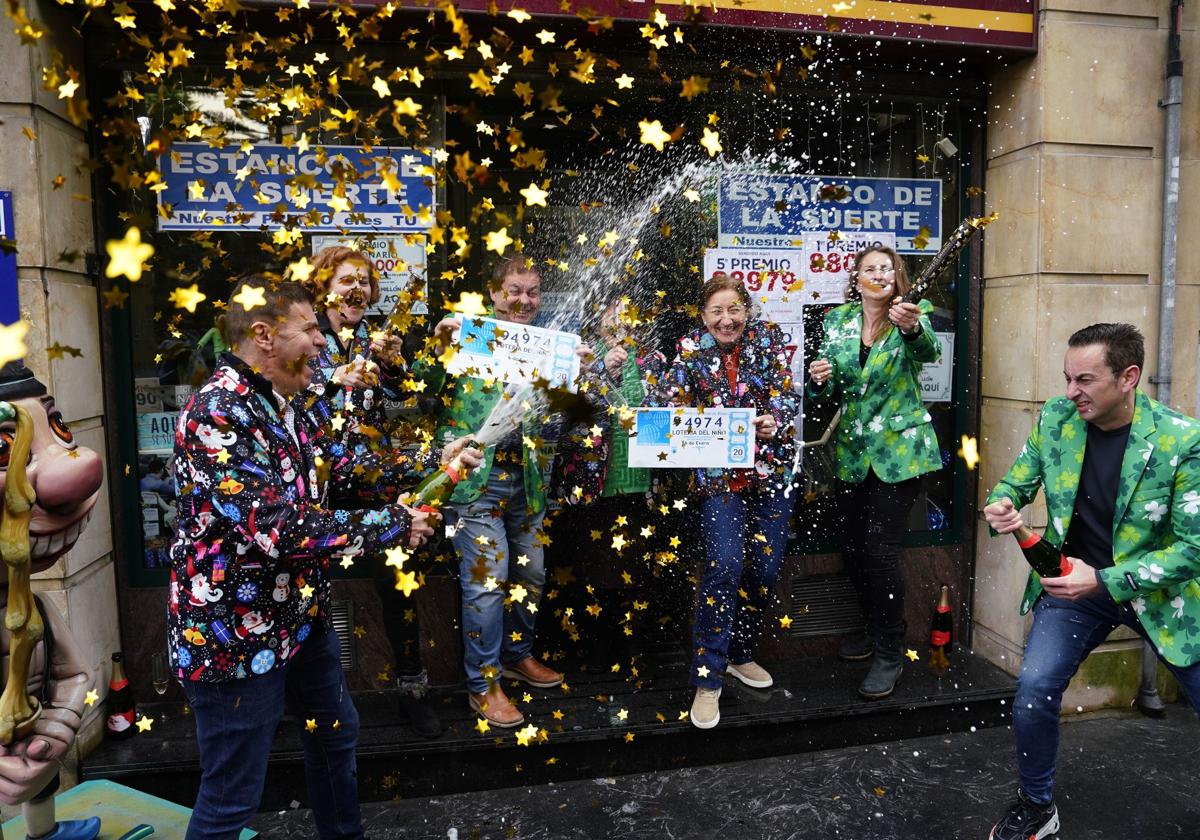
x: 400, y: 621
x: 872, y: 518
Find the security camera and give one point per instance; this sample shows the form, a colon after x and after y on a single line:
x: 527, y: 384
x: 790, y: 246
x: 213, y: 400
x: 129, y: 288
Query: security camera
x: 945, y: 148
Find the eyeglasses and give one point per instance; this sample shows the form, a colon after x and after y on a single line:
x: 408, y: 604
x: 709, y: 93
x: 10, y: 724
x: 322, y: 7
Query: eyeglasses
x: 877, y: 269
x: 732, y: 312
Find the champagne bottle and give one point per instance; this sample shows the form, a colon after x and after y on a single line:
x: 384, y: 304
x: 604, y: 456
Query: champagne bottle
x: 1046, y: 560
x: 121, y: 711
x: 946, y: 256
x: 941, y: 632
x: 435, y: 489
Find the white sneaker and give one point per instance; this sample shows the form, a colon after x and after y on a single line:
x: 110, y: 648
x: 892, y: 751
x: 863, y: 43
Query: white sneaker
x: 751, y: 674
x: 706, y: 710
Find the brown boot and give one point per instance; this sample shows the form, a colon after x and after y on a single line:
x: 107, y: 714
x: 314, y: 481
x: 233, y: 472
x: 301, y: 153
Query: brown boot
x: 495, y: 707
x: 529, y: 670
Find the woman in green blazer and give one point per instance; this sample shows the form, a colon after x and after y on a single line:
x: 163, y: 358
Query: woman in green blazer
x: 874, y: 347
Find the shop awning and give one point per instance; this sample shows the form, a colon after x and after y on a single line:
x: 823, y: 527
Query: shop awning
x: 1003, y: 24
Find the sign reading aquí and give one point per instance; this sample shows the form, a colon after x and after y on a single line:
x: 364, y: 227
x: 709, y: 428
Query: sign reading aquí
x: 320, y: 188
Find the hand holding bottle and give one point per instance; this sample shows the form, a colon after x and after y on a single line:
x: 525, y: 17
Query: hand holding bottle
x: 614, y: 362
x: 423, y: 521
x: 1078, y: 582
x: 463, y: 454
x: 1003, y: 516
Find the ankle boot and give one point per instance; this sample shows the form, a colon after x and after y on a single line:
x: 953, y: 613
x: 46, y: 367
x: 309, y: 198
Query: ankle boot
x: 885, y: 669
x: 416, y: 704
x: 859, y: 647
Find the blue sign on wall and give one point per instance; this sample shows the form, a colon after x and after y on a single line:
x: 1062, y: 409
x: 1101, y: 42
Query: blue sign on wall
x: 10, y: 308
x: 385, y: 189
x: 765, y: 210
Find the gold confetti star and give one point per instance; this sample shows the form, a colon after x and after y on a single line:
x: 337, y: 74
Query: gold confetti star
x: 911, y: 654
x: 310, y: 725
x: 969, y: 451
x: 12, y: 341
x: 534, y: 195
x: 127, y: 257
x: 396, y: 557
x: 498, y: 241
x: 188, y: 298
x: 624, y: 81
x: 406, y: 582
x: 785, y: 621
x: 482, y: 726
x: 249, y: 297
x: 653, y: 134
x: 144, y: 724
x: 91, y: 697
x: 524, y: 736
x: 702, y: 672
x: 711, y: 141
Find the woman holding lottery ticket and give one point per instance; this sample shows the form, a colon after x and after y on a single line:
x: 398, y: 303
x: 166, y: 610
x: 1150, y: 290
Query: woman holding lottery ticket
x: 736, y: 361
x: 873, y: 350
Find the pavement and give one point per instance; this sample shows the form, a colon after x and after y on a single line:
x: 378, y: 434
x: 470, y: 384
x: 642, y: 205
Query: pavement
x: 1120, y: 776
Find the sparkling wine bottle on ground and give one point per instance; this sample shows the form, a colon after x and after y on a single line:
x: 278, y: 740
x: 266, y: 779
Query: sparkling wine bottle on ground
x: 1046, y: 560
x: 941, y: 633
x: 121, y: 712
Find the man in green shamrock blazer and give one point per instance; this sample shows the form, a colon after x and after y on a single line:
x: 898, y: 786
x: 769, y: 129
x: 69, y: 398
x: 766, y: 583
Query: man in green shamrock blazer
x: 496, y: 517
x: 1121, y: 474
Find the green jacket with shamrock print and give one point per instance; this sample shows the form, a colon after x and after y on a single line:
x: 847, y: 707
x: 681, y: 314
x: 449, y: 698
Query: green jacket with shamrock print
x: 884, y: 423
x: 1156, y: 527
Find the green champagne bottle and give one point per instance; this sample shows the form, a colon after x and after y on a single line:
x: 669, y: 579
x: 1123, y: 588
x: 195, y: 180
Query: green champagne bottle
x: 435, y: 489
x: 1046, y: 560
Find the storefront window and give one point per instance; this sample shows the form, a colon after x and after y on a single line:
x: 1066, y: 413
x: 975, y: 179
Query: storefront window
x: 660, y: 209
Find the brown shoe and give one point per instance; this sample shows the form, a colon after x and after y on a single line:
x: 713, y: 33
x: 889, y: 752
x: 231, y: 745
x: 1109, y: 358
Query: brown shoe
x: 529, y: 670
x: 495, y: 707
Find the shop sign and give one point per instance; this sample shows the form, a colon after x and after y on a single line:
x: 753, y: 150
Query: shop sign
x: 936, y: 378
x: 156, y: 432
x: 829, y: 259
x: 400, y: 262
x: 767, y: 210
x: 10, y: 311
x: 773, y: 277
x: 322, y: 188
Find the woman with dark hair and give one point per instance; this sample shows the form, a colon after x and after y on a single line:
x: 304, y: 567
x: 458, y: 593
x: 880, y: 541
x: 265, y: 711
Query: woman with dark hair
x: 736, y: 361
x: 873, y: 350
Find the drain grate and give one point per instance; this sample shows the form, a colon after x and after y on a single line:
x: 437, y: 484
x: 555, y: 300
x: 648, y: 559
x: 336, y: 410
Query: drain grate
x: 824, y: 605
x: 343, y: 623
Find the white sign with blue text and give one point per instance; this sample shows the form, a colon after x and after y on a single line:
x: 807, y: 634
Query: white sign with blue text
x: 765, y: 210
x: 322, y: 188
x: 515, y: 353
x: 669, y: 438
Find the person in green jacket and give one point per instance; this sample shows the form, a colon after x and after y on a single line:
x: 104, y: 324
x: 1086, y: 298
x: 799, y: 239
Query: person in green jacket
x: 496, y: 513
x: 1121, y: 475
x: 873, y: 350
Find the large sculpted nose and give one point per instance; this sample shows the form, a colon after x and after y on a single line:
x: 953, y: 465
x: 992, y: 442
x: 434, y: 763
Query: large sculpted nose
x: 63, y: 479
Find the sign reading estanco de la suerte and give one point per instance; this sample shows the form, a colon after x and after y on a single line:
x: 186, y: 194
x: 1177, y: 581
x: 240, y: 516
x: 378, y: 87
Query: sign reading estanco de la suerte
x: 769, y: 210
x: 319, y: 189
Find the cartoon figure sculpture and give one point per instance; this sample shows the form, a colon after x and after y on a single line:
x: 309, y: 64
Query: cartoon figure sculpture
x: 50, y: 485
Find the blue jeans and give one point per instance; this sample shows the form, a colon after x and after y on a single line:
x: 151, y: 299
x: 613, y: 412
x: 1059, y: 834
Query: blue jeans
x: 1063, y: 634
x: 727, y: 625
x: 235, y: 725
x: 509, y: 555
